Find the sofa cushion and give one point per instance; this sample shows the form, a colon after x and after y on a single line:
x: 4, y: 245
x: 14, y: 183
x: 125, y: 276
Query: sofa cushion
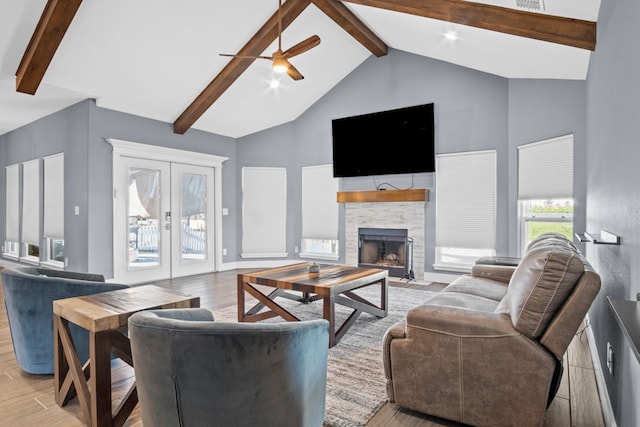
x: 478, y: 286
x: 542, y: 281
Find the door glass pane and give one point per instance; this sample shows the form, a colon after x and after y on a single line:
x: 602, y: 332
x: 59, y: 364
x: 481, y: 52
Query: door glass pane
x: 193, y: 217
x: 144, y: 217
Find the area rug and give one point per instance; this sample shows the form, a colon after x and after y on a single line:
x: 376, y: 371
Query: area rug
x: 355, y: 374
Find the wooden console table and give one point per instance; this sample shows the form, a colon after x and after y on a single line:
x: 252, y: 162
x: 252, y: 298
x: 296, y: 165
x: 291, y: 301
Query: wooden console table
x: 105, y: 316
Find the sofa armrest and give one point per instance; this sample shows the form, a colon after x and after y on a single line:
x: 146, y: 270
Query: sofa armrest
x: 459, y: 321
x: 396, y: 331
x: 499, y: 273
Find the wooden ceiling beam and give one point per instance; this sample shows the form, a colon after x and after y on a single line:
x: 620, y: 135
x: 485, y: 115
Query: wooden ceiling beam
x: 345, y: 18
x: 555, y: 29
x: 52, y: 26
x: 236, y: 66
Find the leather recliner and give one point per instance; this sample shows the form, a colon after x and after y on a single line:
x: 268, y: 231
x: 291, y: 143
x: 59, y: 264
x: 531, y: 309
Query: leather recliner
x: 488, y: 349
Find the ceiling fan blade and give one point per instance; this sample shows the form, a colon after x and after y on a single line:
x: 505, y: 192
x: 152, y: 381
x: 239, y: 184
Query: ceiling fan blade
x: 246, y: 56
x: 302, y: 47
x: 294, y: 73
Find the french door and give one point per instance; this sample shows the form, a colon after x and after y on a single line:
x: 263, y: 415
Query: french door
x: 163, y: 220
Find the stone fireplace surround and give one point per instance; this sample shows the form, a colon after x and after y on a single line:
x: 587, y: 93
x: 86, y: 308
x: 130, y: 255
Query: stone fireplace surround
x: 404, y: 214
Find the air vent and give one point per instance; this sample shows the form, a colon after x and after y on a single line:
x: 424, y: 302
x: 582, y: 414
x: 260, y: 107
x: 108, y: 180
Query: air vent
x: 530, y: 4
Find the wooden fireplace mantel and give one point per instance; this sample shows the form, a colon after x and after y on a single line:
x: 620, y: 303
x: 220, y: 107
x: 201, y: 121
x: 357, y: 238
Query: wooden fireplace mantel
x: 413, y: 195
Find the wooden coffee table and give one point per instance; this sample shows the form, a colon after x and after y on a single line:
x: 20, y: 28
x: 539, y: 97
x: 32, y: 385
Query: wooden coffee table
x: 334, y: 284
x: 105, y: 316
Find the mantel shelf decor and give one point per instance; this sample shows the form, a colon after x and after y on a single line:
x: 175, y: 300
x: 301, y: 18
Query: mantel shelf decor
x: 413, y: 195
x: 604, y: 238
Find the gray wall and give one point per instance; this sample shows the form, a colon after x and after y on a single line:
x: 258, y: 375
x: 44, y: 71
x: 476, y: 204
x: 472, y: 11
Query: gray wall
x: 473, y: 111
x: 65, y: 131
x: 80, y: 131
x: 613, y: 194
x: 539, y: 110
x: 470, y: 114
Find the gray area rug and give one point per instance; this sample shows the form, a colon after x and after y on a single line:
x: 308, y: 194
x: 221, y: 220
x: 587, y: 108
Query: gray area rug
x: 355, y: 374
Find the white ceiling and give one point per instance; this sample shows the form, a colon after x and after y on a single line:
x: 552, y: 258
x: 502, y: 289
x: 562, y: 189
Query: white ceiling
x: 152, y: 58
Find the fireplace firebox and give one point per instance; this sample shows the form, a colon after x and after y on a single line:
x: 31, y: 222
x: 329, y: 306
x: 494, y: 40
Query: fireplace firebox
x: 388, y: 248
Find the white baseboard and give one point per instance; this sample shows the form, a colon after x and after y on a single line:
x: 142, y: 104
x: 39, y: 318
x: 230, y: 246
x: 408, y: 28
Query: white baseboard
x: 605, y: 401
x: 256, y: 264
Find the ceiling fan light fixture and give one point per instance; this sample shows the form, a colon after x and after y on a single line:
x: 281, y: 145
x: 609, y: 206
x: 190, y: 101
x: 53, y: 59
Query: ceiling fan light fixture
x: 280, y: 65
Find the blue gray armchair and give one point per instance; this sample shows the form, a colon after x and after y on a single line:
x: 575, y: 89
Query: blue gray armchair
x: 192, y: 371
x: 29, y: 293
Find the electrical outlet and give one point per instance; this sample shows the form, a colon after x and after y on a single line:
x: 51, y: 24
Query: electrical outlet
x: 610, y: 358
x: 224, y: 251
x: 295, y: 249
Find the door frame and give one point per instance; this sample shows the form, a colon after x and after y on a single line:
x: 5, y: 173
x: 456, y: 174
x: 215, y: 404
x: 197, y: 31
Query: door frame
x: 123, y: 148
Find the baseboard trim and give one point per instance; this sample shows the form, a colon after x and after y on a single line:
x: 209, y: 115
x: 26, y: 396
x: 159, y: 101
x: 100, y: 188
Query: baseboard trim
x: 605, y: 401
x: 256, y: 264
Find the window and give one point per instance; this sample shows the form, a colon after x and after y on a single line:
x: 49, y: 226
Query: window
x: 543, y: 216
x: 53, y: 231
x: 31, y: 211
x: 465, y: 209
x: 545, y: 188
x: 319, y: 213
x: 11, y: 245
x: 264, y: 212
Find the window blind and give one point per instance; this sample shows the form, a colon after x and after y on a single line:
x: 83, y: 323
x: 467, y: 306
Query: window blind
x: 466, y: 200
x: 12, y: 207
x: 31, y: 202
x: 54, y: 196
x: 545, y: 169
x: 264, y: 211
x: 319, y: 204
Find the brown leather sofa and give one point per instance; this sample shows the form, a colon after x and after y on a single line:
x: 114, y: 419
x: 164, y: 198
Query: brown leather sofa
x: 487, y: 350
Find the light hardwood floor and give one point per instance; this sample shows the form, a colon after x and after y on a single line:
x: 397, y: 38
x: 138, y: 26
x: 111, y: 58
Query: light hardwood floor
x: 28, y: 400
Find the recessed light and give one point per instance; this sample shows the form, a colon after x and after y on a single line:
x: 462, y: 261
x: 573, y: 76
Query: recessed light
x: 274, y: 84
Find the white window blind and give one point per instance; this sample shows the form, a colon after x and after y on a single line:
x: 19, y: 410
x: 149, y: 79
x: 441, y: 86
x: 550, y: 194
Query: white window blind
x: 319, y: 204
x: 31, y: 202
x: 545, y: 169
x: 54, y: 196
x: 12, y: 208
x: 264, y: 212
x: 466, y: 200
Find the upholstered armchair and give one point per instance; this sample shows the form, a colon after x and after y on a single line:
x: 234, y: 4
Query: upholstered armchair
x: 29, y: 293
x: 193, y: 371
x: 487, y: 351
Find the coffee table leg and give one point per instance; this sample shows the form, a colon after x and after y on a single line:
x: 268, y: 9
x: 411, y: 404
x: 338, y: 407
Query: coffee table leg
x: 241, y: 312
x: 329, y: 313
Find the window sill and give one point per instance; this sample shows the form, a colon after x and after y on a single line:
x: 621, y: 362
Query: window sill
x: 56, y: 265
x: 264, y: 255
x: 311, y: 255
x: 452, y: 267
x: 11, y: 256
x: 30, y: 260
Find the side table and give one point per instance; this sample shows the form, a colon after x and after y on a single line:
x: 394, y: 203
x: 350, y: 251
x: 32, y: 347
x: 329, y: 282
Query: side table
x: 105, y: 316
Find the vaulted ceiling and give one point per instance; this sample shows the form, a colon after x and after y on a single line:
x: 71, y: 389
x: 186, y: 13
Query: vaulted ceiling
x: 160, y: 58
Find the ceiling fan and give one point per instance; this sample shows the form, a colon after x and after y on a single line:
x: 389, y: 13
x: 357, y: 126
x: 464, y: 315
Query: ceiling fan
x: 280, y: 59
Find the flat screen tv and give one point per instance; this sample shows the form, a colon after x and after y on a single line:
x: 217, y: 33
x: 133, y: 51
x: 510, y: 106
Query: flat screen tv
x: 388, y: 142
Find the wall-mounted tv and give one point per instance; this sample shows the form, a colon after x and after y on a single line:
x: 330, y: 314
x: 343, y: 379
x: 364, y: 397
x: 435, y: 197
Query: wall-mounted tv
x: 387, y: 142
